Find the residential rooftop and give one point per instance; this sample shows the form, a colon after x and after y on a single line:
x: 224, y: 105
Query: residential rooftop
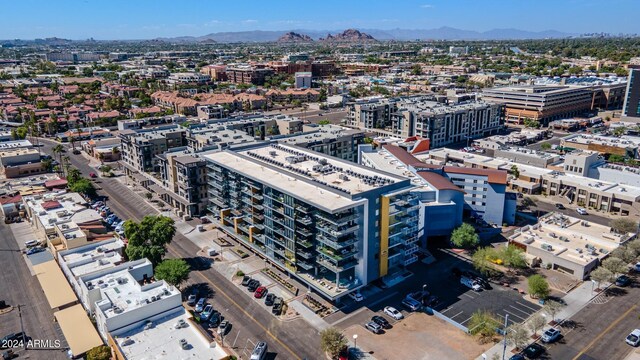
x: 622, y: 141
x: 93, y: 257
x: 628, y: 192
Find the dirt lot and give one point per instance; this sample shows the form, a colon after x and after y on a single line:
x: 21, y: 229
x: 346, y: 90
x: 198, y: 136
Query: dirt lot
x: 419, y: 337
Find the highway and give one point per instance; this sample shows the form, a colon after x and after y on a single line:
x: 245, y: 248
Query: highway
x: 293, y: 339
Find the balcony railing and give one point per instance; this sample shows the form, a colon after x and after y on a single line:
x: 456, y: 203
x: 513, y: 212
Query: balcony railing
x: 335, y: 244
x: 337, y: 220
x: 329, y: 265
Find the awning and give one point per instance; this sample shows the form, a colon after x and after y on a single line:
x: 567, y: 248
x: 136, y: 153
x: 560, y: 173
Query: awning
x: 76, y: 327
x: 54, y: 284
x: 157, y: 189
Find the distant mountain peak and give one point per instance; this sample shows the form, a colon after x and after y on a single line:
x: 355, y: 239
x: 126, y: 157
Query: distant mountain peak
x: 349, y: 35
x: 294, y: 37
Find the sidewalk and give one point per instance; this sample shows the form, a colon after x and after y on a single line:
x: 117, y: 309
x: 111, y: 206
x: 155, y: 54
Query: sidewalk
x: 575, y: 301
x: 634, y: 355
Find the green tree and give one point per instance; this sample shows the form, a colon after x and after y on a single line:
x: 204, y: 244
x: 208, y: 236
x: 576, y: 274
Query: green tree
x: 101, y: 352
x: 552, y: 308
x: 324, y: 122
x: 515, y: 171
x: 615, y: 158
x: 416, y: 70
x: 19, y: 133
x: 615, y: 265
x: 536, y: 323
x: 105, y: 169
x: 83, y: 186
x: 538, y: 286
x: 332, y: 341
x: 618, y: 131
x: 623, y: 225
x: 149, y: 238
x: 73, y: 175
x: 517, y: 335
x: 601, y: 275
x: 173, y: 271
x: 47, y: 164
x: 483, y: 324
x: 513, y: 257
x: 482, y: 260
x: 545, y: 146
x: 465, y: 236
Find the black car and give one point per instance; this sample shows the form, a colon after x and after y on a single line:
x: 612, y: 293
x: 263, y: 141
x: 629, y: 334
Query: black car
x: 12, y: 340
x: 381, y: 321
x: 253, y: 285
x: 432, y: 301
x: 623, y: 280
x: 246, y: 280
x: 484, y: 283
x: 269, y: 299
x: 517, y: 357
x: 533, y: 351
x: 560, y: 206
x: 215, y: 318
x: 76, y: 152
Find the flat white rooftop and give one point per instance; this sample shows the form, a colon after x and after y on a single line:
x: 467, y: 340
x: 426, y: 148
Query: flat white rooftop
x: 620, y: 190
x: 162, y: 341
x: 383, y: 160
x: 585, y: 139
x: 93, y: 257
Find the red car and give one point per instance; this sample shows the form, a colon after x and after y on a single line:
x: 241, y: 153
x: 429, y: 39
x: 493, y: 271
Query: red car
x: 260, y: 292
x: 93, y: 175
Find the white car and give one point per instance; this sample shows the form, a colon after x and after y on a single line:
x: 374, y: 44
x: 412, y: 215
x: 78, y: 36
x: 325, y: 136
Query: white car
x: 634, y: 338
x: 582, y: 211
x: 356, y: 296
x: 393, y: 312
x: 550, y: 335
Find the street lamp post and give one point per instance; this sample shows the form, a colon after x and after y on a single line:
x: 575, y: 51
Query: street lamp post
x: 355, y: 341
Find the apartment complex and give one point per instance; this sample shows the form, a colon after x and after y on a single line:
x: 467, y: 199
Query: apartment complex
x: 246, y: 74
x: 422, y: 116
x: 184, y: 183
x: 333, y: 224
x: 539, y: 102
x: 567, y: 244
x: 139, y: 148
x: 332, y: 140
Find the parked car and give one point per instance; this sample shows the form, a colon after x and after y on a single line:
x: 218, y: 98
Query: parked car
x: 633, y: 339
x: 551, y: 335
x: 636, y: 267
x: 582, y: 211
x: 356, y: 296
x: 246, y: 280
x: 253, y: 285
x: 393, y: 312
x: 206, y: 313
x: 259, y: 352
x: 269, y: 299
x: 214, y: 319
x: 623, y: 280
x: 411, y: 304
x: 223, y: 327
x: 381, y: 321
x: 191, y: 300
x: 277, y: 306
x: 35, y: 250
x: 8, y: 355
x: 260, y: 292
x: 517, y: 357
x: 12, y: 339
x: 470, y: 283
x: 482, y: 282
x: 433, y: 301
x: 31, y: 243
x: 560, y: 206
x: 93, y: 175
x: 200, y: 305
x: 373, y: 327
x: 533, y: 351
x: 75, y: 152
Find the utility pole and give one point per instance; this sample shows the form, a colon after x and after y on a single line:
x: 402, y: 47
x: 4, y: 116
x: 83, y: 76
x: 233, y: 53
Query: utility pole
x: 24, y: 337
x: 504, y: 346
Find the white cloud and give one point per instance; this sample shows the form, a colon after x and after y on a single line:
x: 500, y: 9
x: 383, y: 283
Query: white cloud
x: 426, y: 6
x: 249, y: 21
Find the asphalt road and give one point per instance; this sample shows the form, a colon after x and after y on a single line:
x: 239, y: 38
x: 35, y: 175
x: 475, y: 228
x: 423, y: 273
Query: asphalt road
x: 598, y: 331
x: 287, y: 340
x: 18, y: 287
x: 542, y: 208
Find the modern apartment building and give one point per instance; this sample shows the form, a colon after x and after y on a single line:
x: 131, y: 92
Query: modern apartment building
x: 371, y: 114
x: 245, y: 74
x: 446, y: 124
x: 631, y: 107
x: 184, y: 182
x: 139, y: 148
x: 188, y: 79
x: 540, y: 102
x: 333, y: 224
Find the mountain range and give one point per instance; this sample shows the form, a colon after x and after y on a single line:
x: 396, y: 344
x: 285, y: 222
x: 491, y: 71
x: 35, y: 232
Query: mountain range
x: 442, y: 33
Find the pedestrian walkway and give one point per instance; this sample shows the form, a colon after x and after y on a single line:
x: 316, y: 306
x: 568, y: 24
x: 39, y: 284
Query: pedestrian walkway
x: 312, y: 318
x: 634, y: 355
x: 574, y: 302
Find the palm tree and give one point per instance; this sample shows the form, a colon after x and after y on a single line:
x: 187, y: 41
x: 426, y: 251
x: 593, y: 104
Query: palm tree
x: 64, y: 161
x: 47, y: 164
x: 115, y: 151
x: 58, y: 149
x: 72, y: 140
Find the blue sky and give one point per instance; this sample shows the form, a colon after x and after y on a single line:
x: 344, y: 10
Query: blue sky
x: 144, y: 19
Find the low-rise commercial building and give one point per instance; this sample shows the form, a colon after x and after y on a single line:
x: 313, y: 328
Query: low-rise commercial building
x: 567, y: 244
x: 626, y: 145
x: 17, y: 162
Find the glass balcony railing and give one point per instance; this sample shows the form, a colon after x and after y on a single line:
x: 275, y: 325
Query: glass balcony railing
x: 337, y: 220
x: 335, y: 244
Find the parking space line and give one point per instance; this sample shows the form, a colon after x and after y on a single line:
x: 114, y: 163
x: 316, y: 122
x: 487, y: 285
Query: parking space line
x: 451, y: 317
x: 528, y: 307
x: 510, y: 313
x: 469, y: 296
x: 445, y: 310
x: 469, y: 318
x: 520, y: 310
